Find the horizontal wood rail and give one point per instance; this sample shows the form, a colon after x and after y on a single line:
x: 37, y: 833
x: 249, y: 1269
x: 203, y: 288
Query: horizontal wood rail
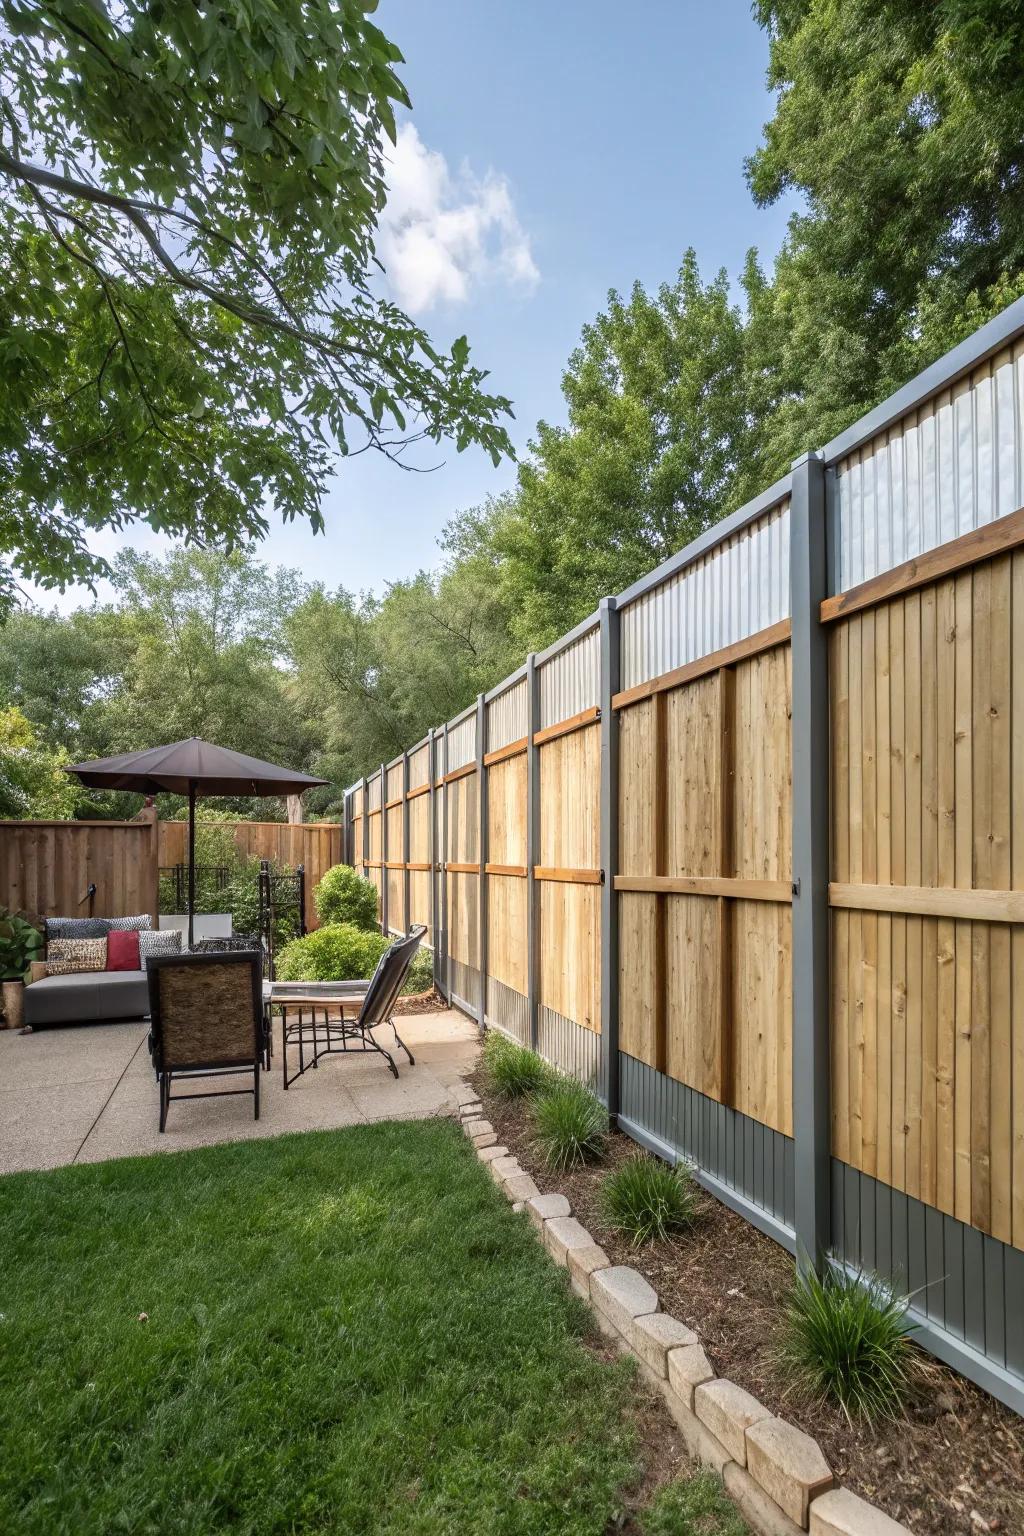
x: 996, y: 538
x: 374, y: 810
x: 563, y: 727
x: 392, y: 805
x: 979, y: 906
x: 458, y: 773
x: 418, y: 867
x: 372, y: 864
x: 740, y: 650
x: 518, y: 871
x: 707, y: 885
x: 421, y: 789
x: 462, y: 869
x: 568, y: 876
x: 394, y: 864
x: 500, y: 754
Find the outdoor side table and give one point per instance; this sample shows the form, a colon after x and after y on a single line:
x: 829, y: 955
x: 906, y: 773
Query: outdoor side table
x: 312, y: 1018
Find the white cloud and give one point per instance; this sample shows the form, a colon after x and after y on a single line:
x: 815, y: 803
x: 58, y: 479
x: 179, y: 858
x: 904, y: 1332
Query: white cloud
x: 441, y: 235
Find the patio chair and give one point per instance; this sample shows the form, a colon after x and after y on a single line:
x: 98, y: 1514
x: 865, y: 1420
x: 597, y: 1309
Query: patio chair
x: 237, y: 942
x: 207, y: 1021
x: 376, y: 998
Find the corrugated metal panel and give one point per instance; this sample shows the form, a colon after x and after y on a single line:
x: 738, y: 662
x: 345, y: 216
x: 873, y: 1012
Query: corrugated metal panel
x: 465, y: 984
x: 571, y: 681
x: 955, y: 464
x: 743, y: 1154
x: 572, y: 1049
x: 418, y: 769
x: 736, y: 589
x: 969, y: 1285
x: 506, y: 717
x: 508, y: 1010
x: 462, y: 743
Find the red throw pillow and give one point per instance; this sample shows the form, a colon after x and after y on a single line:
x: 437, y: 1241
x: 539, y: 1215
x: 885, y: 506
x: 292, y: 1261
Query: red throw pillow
x: 123, y: 952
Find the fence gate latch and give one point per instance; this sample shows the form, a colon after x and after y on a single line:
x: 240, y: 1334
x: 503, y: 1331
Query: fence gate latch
x: 796, y: 887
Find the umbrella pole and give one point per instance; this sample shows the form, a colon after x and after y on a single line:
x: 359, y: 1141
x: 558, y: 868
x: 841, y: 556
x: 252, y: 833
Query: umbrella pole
x: 191, y: 856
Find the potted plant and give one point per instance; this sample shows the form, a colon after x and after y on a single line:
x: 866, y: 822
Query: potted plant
x: 20, y: 944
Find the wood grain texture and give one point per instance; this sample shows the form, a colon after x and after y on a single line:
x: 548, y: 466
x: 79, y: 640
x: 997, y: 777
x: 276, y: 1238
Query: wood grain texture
x: 764, y: 639
x: 927, y: 891
x: 565, y: 727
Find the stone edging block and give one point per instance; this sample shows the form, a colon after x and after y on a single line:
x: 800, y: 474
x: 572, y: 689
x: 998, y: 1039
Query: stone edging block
x: 622, y: 1294
x: 652, y: 1336
x: 488, y: 1154
x: 728, y: 1411
x: 584, y: 1264
x: 789, y: 1466
x: 842, y: 1513
x: 545, y: 1208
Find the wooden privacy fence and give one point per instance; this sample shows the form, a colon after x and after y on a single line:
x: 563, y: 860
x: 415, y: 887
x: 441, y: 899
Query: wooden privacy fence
x: 746, y: 851
x: 47, y: 867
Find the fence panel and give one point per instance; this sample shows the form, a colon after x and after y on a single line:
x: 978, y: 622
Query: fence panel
x: 47, y: 868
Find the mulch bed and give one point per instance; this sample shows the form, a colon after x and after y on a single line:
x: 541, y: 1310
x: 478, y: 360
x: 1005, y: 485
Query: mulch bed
x: 421, y: 1002
x: 955, y: 1463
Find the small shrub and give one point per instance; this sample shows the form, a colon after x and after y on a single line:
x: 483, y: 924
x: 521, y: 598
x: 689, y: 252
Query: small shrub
x: 571, y: 1123
x: 342, y: 896
x: 846, y: 1339
x: 513, y: 1071
x: 342, y: 952
x: 648, y: 1200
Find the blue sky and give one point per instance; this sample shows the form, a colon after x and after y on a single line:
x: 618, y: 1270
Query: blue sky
x: 555, y: 151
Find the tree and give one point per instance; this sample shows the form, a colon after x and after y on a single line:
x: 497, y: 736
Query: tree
x: 32, y: 781
x: 200, y: 636
x: 187, y: 315
x: 903, y: 127
x: 657, y: 444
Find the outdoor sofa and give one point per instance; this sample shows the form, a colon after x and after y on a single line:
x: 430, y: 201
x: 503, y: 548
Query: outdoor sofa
x: 87, y: 997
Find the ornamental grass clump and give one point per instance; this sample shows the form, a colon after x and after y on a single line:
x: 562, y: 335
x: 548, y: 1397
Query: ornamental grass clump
x: 571, y: 1124
x: 846, y: 1340
x: 513, y: 1071
x: 647, y: 1200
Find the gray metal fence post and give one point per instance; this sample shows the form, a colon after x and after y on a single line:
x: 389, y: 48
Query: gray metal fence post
x: 481, y: 789
x: 609, y: 854
x: 406, y: 917
x: 811, y: 1069
x: 446, y: 958
x: 364, y: 825
x: 432, y: 854
x: 385, y: 926
x: 532, y: 845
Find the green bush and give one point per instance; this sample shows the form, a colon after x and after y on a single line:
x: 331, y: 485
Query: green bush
x: 513, y: 1071
x: 342, y: 952
x: 342, y: 896
x: 648, y: 1200
x: 846, y: 1339
x: 571, y: 1123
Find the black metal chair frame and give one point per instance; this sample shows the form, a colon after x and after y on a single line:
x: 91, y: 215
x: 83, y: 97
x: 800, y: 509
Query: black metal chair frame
x: 328, y: 1036
x: 229, y: 1067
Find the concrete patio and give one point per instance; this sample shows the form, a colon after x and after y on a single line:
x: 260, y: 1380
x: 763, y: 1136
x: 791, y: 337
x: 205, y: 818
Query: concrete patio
x: 87, y: 1094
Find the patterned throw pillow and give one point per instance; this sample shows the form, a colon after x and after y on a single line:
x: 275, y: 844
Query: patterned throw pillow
x: 66, y: 957
x: 158, y: 941
x: 128, y: 924
x: 76, y: 928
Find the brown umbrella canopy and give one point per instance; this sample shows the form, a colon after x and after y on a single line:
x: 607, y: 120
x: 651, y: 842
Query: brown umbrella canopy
x: 192, y: 766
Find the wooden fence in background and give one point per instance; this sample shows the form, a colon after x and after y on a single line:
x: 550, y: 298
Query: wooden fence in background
x: 47, y: 867
x: 746, y: 851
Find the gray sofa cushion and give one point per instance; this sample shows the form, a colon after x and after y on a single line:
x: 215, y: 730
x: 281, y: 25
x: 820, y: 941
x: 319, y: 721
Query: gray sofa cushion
x: 87, y: 997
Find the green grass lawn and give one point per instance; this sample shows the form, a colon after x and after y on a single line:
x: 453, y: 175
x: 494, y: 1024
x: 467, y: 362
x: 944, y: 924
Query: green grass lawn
x: 344, y: 1332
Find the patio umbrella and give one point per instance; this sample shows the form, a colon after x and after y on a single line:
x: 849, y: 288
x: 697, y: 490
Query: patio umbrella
x: 192, y: 768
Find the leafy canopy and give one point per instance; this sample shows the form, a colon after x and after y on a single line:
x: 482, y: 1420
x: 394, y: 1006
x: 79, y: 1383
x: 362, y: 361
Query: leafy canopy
x: 187, y: 320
